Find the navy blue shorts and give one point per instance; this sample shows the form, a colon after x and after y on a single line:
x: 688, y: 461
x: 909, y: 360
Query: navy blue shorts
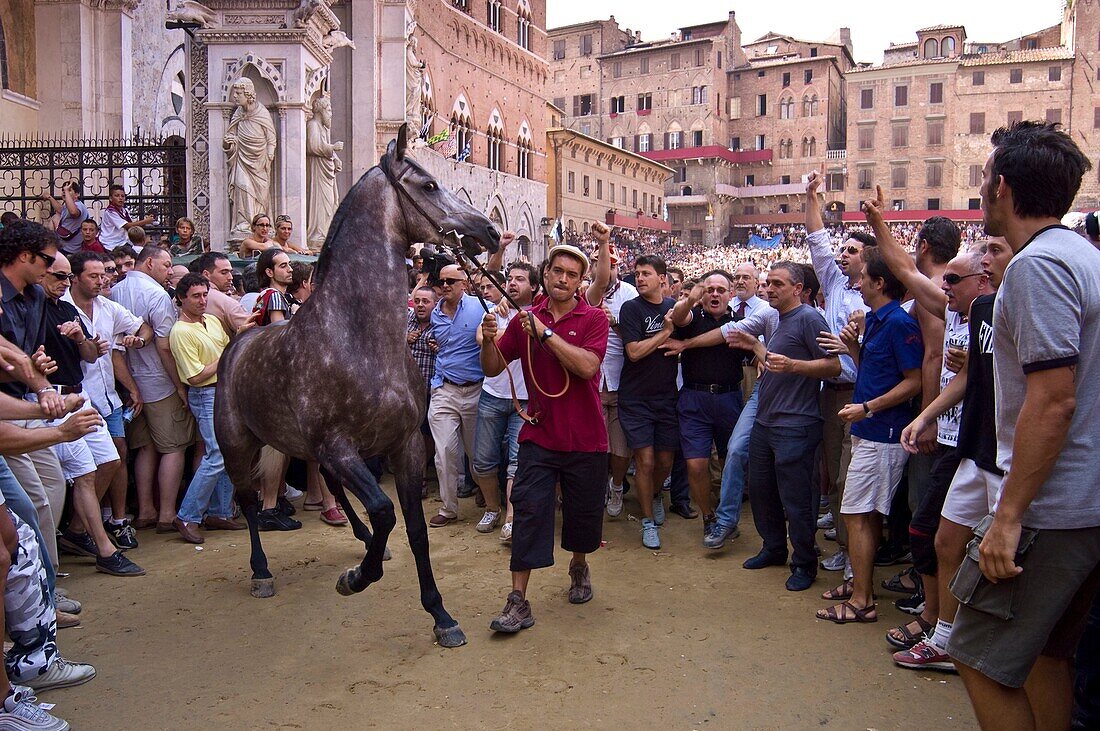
x: 707, y: 420
x: 650, y: 424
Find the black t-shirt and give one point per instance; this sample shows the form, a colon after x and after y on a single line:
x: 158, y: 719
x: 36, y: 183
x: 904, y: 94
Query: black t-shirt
x: 61, y: 348
x: 978, y: 427
x: 719, y: 364
x: 654, y: 376
x: 22, y: 323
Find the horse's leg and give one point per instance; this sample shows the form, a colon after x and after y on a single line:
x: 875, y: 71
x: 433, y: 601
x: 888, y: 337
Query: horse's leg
x: 408, y: 469
x: 344, y: 463
x: 240, y: 450
x: 263, y: 583
x: 358, y: 527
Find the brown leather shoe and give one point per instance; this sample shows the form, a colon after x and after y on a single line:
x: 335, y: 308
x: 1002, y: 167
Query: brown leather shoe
x: 439, y: 520
x: 189, y: 531
x: 66, y: 620
x: 166, y: 527
x: 212, y: 523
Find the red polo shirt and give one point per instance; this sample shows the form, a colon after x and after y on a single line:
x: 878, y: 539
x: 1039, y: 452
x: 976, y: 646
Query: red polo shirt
x: 574, y: 421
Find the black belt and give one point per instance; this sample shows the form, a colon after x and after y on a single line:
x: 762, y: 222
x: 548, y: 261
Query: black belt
x: 467, y: 384
x: 711, y: 387
x: 839, y: 386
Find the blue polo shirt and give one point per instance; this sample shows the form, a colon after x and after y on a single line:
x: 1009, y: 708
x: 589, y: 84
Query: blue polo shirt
x: 459, y: 356
x: 891, y: 345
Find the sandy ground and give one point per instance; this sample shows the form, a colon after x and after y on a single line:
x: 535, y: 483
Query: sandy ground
x: 683, y: 638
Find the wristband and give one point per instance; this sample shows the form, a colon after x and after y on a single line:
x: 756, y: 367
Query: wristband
x: 43, y: 390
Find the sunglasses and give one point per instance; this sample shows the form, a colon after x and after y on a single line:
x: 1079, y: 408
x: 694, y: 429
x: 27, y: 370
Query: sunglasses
x: 110, y: 270
x: 850, y: 250
x: 451, y: 282
x: 954, y: 279
x: 62, y: 276
x: 45, y: 257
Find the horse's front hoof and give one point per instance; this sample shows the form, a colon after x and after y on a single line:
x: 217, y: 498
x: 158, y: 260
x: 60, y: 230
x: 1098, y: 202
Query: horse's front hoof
x: 262, y: 588
x: 343, y: 584
x: 387, y: 555
x: 450, y: 636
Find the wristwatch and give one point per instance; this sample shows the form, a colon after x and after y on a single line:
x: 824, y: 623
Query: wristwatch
x: 867, y: 410
x: 546, y: 335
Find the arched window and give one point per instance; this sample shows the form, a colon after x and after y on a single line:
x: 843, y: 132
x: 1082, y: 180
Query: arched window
x: 427, y: 103
x: 492, y: 14
x: 462, y: 129
x: 523, y: 151
x: 813, y: 105
x: 523, y: 25
x: 786, y: 108
x: 813, y: 147
x: 931, y: 48
x: 805, y: 147
x: 947, y: 46
x: 806, y: 106
x: 494, y: 135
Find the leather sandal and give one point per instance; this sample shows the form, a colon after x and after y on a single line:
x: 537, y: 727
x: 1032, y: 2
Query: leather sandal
x: 908, y: 639
x: 838, y: 613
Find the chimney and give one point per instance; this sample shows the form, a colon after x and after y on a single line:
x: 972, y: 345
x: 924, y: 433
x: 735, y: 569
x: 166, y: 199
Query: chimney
x: 846, y: 38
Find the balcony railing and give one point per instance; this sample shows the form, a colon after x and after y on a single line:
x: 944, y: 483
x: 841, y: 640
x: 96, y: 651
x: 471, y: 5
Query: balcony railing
x: 758, y: 191
x: 836, y: 155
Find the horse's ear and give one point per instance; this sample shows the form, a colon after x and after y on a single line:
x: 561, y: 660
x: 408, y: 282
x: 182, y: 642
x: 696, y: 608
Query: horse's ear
x: 402, y: 142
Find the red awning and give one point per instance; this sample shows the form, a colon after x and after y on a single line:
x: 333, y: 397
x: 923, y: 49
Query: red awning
x: 635, y: 222
x: 915, y: 215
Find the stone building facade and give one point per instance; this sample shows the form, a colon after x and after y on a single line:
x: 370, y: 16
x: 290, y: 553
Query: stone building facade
x: 591, y: 180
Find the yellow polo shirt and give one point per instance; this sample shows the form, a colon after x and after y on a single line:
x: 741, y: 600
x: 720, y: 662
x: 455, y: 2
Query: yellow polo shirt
x: 195, y: 346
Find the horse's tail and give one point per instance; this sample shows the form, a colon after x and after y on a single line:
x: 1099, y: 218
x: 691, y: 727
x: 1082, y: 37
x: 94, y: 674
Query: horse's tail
x: 268, y: 466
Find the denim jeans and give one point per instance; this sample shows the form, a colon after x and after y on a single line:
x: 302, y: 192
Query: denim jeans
x: 211, y: 490
x: 783, y: 484
x: 737, y: 460
x: 1086, y: 687
x: 20, y: 504
x: 497, y: 420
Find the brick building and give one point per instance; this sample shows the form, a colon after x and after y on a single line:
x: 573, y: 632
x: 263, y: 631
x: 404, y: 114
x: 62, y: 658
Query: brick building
x: 919, y: 123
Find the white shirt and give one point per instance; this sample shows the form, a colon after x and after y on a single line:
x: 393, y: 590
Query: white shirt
x: 498, y: 385
x: 612, y: 366
x: 840, y: 299
x: 112, y: 229
x: 956, y: 334
x: 142, y: 295
x: 109, y: 320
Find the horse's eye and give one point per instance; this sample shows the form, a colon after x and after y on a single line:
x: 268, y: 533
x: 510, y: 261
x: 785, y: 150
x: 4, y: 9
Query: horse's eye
x: 430, y: 187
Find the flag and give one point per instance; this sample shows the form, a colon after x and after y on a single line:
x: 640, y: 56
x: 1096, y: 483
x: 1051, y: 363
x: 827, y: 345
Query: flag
x: 450, y: 146
x: 465, y: 154
x: 426, y: 127
x: 441, y: 137
x: 557, y: 232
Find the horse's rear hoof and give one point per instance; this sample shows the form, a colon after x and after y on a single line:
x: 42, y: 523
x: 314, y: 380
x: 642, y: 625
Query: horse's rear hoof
x: 450, y: 637
x: 262, y: 588
x: 343, y: 584
x: 387, y: 555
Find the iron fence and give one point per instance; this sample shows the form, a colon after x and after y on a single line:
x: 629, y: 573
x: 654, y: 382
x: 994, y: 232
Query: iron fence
x: 152, y: 170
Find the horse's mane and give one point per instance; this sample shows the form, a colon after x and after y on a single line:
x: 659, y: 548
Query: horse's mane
x: 337, y: 225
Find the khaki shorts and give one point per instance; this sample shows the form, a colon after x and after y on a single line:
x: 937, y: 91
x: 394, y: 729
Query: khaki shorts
x: 165, y: 424
x: 616, y: 440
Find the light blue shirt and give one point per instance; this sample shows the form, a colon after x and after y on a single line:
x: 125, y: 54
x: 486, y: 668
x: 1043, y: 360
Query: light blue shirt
x: 840, y: 299
x: 459, y: 356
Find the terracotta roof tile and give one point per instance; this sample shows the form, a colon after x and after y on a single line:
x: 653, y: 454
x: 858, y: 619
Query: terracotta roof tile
x: 1028, y: 55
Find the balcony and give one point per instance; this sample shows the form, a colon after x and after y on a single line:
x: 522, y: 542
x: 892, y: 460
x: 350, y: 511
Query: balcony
x: 758, y: 191
x: 741, y: 157
x: 686, y: 200
x: 836, y: 155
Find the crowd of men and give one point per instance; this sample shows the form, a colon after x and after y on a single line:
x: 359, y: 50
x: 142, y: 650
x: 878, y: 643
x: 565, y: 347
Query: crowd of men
x: 872, y: 400
x: 110, y: 357
x: 865, y: 391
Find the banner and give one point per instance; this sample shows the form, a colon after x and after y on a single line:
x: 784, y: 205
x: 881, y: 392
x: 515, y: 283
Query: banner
x: 758, y: 242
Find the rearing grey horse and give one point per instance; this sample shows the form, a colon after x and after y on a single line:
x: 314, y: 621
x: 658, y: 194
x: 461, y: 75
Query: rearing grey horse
x: 351, y: 390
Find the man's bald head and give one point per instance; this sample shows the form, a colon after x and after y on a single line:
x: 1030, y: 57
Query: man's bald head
x: 745, y: 277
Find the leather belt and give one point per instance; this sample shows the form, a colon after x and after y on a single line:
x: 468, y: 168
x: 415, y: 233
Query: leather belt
x: 467, y: 384
x: 839, y: 386
x: 711, y: 387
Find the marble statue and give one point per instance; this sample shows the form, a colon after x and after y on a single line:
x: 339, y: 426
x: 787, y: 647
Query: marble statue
x: 322, y: 164
x: 306, y: 10
x: 249, y: 144
x: 414, y: 85
x: 189, y: 11
x: 336, y: 39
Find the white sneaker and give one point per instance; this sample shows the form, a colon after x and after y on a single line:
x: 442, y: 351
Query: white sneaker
x: 488, y: 522
x: 506, y: 533
x: 825, y: 522
x: 293, y: 493
x: 659, y: 509
x: 614, y: 500
x: 65, y: 604
x: 62, y: 674
x: 21, y: 712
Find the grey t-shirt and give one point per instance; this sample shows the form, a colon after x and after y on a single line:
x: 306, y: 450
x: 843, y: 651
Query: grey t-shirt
x: 1047, y: 315
x: 787, y: 399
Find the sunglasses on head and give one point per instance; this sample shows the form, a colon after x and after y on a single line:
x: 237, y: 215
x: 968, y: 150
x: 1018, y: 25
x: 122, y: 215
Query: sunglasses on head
x: 451, y: 282
x: 62, y: 276
x: 954, y: 279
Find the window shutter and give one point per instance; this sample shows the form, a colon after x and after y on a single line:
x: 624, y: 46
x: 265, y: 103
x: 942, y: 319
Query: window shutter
x: 636, y: 143
x: 666, y: 140
x: 576, y: 106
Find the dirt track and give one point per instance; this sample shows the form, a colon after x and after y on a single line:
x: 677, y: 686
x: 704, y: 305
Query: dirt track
x: 677, y: 639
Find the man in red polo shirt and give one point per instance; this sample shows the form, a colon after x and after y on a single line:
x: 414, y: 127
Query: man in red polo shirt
x: 561, y: 343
